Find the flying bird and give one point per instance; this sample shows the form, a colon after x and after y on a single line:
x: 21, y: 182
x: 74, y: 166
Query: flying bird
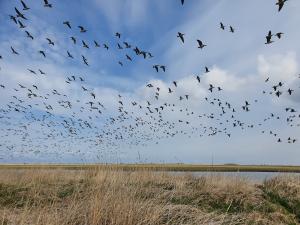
x: 19, y: 14
x: 222, y: 26
x: 46, y: 4
x: 200, y: 43
x: 21, y: 24
x: 49, y: 41
x: 82, y: 30
x: 74, y: 40
x: 180, y: 35
x: 67, y: 23
x: 42, y: 53
x: 279, y: 35
x: 84, y: 44
x: 24, y: 6
x: 269, y: 37
x: 96, y: 44
x: 118, y: 35
x: 69, y: 55
x: 14, y: 51
x: 29, y: 35
x: 280, y: 4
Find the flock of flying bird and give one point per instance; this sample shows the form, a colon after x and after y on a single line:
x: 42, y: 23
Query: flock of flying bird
x: 63, y: 122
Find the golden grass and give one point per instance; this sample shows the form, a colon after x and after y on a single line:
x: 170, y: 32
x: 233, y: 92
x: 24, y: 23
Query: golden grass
x: 160, y: 167
x: 115, y: 197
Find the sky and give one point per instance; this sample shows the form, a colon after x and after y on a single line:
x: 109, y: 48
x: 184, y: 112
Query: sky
x: 239, y: 63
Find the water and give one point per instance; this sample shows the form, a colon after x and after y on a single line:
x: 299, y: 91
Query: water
x: 252, y: 176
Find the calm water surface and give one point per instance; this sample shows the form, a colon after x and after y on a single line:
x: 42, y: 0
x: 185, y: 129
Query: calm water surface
x: 252, y: 176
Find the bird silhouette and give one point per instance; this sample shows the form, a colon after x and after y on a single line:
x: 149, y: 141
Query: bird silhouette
x: 68, y: 24
x: 46, y: 4
x: 280, y: 4
x: 24, y: 5
x: 180, y: 35
x: 200, y: 44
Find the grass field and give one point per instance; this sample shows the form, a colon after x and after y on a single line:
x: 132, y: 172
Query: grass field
x: 142, y: 197
x: 160, y: 167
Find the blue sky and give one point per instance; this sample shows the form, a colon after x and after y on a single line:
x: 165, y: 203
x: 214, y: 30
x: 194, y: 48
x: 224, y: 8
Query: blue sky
x: 239, y: 63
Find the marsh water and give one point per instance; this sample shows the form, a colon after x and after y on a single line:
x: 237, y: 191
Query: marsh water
x: 252, y: 176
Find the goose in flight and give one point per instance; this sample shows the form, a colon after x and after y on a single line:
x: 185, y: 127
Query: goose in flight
x: 180, y: 35
x: 82, y: 30
x: 24, y: 6
x: 46, y: 4
x: 280, y: 4
x: 19, y: 14
x: 200, y: 43
x: 14, y: 51
x: 67, y: 23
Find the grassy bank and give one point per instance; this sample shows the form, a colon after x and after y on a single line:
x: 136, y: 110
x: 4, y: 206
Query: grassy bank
x: 160, y: 167
x: 97, y: 197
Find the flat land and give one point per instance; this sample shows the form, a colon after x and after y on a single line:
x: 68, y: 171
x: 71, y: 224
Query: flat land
x: 109, y: 196
x: 160, y: 167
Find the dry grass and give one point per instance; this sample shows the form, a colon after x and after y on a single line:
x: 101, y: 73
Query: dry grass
x: 108, y: 197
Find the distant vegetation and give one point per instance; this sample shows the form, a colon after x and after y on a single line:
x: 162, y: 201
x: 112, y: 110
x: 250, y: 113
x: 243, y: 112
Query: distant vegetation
x: 115, y: 197
x: 161, y: 167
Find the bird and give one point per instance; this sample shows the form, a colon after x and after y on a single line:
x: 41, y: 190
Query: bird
x: 279, y: 34
x: 280, y: 4
x: 84, y: 44
x: 82, y: 30
x: 84, y: 60
x: 21, y: 24
x: 42, y: 53
x: 69, y: 55
x: 24, y: 6
x: 49, y: 41
x: 46, y: 4
x: 149, y: 85
x: 19, y: 14
x: 119, y: 46
x: 268, y: 37
x: 31, y: 71
x: 13, y: 18
x: 105, y: 46
x: 163, y: 68
x: 175, y: 83
x: 182, y: 2
x: 96, y: 44
x: 267, y: 79
x: 180, y: 35
x: 14, y: 51
x: 41, y: 72
x: 222, y: 26
x: 120, y: 63
x: 200, y: 43
x: 231, y: 29
x: 118, y: 35
x: 67, y: 23
x: 74, y: 40
x: 127, y: 45
x: 29, y: 35
x: 290, y: 91
x: 206, y: 70
x: 156, y: 67
x: 198, y: 79
x: 128, y: 57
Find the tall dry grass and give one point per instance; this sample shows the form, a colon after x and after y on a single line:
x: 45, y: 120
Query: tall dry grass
x: 111, y: 197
